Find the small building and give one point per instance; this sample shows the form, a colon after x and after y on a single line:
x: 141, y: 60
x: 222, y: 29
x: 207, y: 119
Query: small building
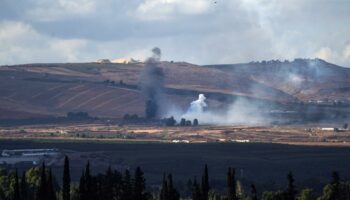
x: 33, y: 156
x: 327, y: 129
x: 241, y: 141
x: 125, y: 61
x: 29, y: 152
x: 103, y: 61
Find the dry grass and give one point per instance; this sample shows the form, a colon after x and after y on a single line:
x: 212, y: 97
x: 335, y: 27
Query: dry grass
x: 137, y: 133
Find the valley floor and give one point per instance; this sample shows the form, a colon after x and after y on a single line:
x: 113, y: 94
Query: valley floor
x: 298, y: 135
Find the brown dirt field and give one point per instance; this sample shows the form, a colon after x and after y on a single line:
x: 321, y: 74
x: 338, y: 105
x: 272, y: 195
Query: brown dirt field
x: 141, y: 133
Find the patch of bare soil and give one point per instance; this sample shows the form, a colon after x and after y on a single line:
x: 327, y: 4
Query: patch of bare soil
x: 141, y: 133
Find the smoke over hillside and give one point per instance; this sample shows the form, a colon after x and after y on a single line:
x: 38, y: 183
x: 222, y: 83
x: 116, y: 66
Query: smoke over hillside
x: 151, y: 82
x: 241, y: 111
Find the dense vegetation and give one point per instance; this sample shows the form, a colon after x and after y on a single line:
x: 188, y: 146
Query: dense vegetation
x: 167, y: 121
x: 38, y: 183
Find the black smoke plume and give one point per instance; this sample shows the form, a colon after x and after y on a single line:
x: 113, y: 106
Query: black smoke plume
x: 151, y: 83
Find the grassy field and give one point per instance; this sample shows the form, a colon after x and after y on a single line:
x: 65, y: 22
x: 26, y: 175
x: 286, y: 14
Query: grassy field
x: 264, y: 164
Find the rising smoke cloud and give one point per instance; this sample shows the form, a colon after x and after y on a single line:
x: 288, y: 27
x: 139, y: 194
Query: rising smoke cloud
x: 241, y: 111
x: 151, y: 83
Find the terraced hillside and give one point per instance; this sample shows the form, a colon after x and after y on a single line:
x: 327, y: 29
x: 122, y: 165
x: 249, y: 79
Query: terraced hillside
x: 304, y: 79
x: 111, y: 90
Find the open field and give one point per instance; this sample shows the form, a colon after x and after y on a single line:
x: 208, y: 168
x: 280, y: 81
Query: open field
x: 264, y: 164
x: 261, y: 154
x: 306, y: 135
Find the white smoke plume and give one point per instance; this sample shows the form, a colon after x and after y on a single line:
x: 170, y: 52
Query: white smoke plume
x: 198, y: 105
x: 241, y: 111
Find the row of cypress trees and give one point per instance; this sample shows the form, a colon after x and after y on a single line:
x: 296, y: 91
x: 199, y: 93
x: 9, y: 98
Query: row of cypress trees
x: 115, y: 185
x: 45, y: 189
x: 109, y: 186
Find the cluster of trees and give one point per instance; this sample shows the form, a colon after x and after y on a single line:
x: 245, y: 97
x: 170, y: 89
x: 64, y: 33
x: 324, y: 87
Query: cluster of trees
x: 36, y: 183
x: 183, y: 122
x: 133, y: 118
x: 78, y: 115
x: 170, y: 121
x: 39, y: 184
x: 110, y: 82
x: 111, y: 185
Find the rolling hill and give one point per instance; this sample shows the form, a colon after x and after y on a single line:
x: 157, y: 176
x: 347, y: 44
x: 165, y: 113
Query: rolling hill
x: 111, y: 90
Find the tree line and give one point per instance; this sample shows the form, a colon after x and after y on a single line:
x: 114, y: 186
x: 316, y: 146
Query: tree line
x: 39, y: 183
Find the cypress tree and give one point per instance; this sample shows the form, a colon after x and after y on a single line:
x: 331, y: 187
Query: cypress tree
x: 82, y: 186
x: 117, y: 184
x: 173, y: 194
x: 196, y: 193
x: 253, y: 192
x: 126, y: 186
x: 51, y: 194
x: 87, y: 176
x: 335, y: 186
x: 42, y: 189
x: 16, y: 194
x: 24, y: 186
x: 183, y: 122
x: 291, y: 191
x: 94, y: 189
x: 231, y: 184
x: 164, y: 190
x: 66, y: 180
x: 139, y: 185
x: 205, y: 184
x: 108, y: 184
x: 88, y: 183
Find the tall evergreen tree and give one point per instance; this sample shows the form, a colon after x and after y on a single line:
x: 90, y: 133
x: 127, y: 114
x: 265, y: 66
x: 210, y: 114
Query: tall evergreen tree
x: 42, y: 188
x: 291, y: 191
x: 163, y: 195
x: 117, y: 184
x: 335, y: 184
x: 87, y: 176
x: 253, y: 192
x: 196, y: 193
x: 107, y: 187
x: 88, y: 190
x: 66, y: 180
x: 173, y: 194
x: 51, y: 194
x: 24, y: 186
x: 139, y: 185
x: 205, y: 184
x: 82, y: 187
x: 195, y: 122
x: 16, y: 193
x: 126, y: 186
x: 231, y: 184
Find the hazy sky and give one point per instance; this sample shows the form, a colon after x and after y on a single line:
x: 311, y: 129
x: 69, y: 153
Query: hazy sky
x: 196, y: 31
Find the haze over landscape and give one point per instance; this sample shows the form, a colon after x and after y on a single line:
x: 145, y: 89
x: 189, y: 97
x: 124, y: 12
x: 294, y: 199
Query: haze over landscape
x: 174, y: 99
